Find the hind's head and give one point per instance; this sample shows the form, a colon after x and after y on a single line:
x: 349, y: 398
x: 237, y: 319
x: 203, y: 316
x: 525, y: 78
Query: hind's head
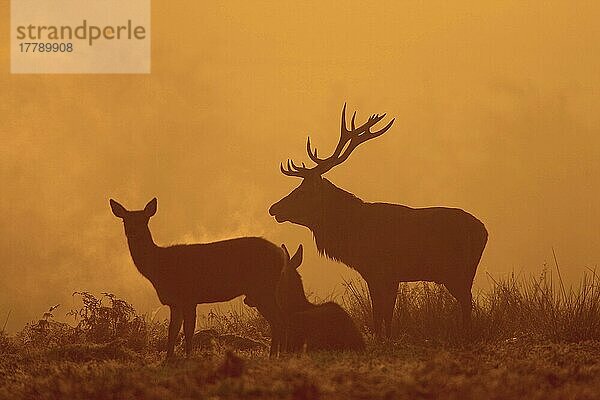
x: 135, y: 222
x: 290, y: 291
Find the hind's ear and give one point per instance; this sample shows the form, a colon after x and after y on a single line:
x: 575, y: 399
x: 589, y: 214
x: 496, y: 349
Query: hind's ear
x: 150, y: 208
x: 117, y: 209
x: 296, y: 260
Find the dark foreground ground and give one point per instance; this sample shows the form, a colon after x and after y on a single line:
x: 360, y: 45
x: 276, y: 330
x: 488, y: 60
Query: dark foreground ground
x: 513, y: 369
x: 530, y: 339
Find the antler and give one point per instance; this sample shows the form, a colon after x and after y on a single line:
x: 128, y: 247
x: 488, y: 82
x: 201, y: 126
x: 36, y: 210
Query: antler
x: 349, y: 139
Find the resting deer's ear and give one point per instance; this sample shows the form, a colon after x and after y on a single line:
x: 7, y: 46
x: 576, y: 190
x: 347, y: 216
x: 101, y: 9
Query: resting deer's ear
x: 150, y: 208
x: 297, y: 258
x: 286, y: 252
x: 117, y: 209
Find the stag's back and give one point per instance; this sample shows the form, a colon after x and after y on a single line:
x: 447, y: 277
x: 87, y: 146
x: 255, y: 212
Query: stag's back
x: 405, y: 243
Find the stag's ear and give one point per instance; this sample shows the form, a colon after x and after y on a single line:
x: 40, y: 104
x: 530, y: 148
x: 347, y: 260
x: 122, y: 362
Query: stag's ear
x: 117, y: 209
x: 297, y: 258
x: 150, y: 208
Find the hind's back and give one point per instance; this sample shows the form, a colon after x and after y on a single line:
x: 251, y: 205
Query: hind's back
x: 219, y: 271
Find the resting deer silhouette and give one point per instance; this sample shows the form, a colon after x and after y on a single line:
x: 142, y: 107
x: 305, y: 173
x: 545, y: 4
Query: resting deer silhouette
x: 187, y: 275
x: 317, y: 326
x: 386, y: 243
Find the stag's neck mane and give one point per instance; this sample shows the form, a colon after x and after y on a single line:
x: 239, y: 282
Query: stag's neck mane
x: 143, y: 252
x: 339, y: 222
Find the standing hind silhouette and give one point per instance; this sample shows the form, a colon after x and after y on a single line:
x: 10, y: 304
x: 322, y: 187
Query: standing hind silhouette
x: 386, y: 243
x: 187, y: 275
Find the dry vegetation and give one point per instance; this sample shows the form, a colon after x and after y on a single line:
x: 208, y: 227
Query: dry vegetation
x: 530, y: 337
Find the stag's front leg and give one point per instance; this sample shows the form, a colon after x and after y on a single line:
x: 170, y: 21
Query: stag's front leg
x: 376, y: 308
x: 174, y: 328
x: 388, y: 304
x: 383, y: 299
x: 189, y: 326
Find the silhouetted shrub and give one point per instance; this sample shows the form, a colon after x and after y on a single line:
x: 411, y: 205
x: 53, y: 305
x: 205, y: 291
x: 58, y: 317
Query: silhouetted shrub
x: 109, y: 318
x: 47, y: 333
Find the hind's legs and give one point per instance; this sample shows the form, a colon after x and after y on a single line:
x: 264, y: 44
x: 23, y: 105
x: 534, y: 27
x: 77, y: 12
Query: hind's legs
x: 174, y: 328
x: 189, y: 326
x: 272, y: 314
x: 277, y: 340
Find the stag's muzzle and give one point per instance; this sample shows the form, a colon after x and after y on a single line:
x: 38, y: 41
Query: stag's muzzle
x: 274, y: 212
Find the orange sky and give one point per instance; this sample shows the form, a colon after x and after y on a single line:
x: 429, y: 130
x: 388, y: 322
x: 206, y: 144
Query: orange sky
x: 496, y: 112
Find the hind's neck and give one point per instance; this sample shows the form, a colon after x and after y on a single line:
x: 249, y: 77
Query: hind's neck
x: 298, y: 303
x: 291, y: 293
x: 143, y: 251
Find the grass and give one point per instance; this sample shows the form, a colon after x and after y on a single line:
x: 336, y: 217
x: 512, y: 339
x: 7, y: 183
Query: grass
x: 513, y: 308
x: 530, y: 338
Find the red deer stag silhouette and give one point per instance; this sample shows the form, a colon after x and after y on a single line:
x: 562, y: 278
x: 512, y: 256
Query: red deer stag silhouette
x: 187, y: 275
x: 386, y: 243
x: 317, y: 326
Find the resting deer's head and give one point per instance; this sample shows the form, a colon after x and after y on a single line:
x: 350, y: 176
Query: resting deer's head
x: 304, y: 205
x: 135, y: 222
x: 290, y: 292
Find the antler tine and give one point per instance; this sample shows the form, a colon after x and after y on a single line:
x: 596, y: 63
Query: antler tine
x: 373, y: 119
x: 283, y: 170
x: 363, y: 134
x: 343, y: 127
x: 345, y: 136
x: 290, y: 171
x: 296, y: 167
x: 349, y: 139
x: 295, y: 170
x: 384, y: 129
x: 312, y: 154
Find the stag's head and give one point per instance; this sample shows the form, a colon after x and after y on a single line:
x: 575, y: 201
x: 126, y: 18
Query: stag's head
x: 135, y: 222
x: 290, y: 291
x: 304, y: 205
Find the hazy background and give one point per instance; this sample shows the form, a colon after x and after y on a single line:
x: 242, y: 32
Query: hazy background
x: 497, y: 112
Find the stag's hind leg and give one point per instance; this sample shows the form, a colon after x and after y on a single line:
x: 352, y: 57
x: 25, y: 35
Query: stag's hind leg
x: 462, y: 293
x: 174, y: 328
